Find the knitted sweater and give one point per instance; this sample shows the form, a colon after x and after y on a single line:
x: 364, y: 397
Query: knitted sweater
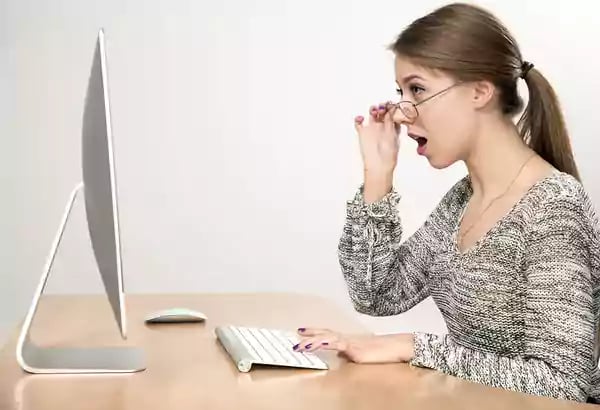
x: 521, y: 306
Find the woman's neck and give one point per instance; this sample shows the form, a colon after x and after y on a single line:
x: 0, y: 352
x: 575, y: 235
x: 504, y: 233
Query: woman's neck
x: 496, y: 158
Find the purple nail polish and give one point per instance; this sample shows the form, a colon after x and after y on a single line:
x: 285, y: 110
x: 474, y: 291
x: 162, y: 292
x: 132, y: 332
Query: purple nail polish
x: 308, y: 345
x: 301, y: 329
x: 325, y: 343
x: 296, y: 346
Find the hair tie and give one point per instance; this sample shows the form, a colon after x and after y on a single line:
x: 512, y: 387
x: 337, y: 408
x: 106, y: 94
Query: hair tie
x: 525, y: 67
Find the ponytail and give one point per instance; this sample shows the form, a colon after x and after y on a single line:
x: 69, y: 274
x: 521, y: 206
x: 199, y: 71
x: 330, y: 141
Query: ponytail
x: 542, y: 125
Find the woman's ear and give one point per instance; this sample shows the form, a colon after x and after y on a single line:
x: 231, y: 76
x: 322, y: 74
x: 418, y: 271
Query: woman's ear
x: 483, y: 93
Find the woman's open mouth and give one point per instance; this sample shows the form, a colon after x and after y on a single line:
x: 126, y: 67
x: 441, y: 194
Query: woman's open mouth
x: 421, y: 141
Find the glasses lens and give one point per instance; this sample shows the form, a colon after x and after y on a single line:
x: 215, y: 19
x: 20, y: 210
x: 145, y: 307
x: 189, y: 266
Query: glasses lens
x: 409, y: 110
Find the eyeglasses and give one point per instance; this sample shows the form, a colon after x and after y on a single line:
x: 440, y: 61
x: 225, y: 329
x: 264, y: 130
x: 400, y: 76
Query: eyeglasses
x: 409, y: 109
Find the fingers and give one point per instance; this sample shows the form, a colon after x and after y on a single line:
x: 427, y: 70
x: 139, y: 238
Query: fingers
x: 311, y: 344
x: 312, y: 331
x: 373, y: 112
x: 377, y: 114
x: 388, y: 119
x: 317, y: 338
x: 358, y: 122
x: 321, y: 342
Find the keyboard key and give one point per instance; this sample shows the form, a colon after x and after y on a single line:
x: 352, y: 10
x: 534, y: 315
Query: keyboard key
x: 264, y: 355
x: 250, y: 350
x: 282, y: 350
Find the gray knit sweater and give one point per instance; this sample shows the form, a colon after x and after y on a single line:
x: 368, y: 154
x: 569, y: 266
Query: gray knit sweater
x: 521, y: 306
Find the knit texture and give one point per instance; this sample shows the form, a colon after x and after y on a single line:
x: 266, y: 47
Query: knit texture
x: 521, y: 306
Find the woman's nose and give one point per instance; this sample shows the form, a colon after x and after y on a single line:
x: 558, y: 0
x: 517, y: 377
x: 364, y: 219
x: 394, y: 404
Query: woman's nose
x: 399, y: 116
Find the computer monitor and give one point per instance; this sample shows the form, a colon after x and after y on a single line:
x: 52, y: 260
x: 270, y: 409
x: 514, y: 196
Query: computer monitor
x: 99, y: 184
x: 100, y: 193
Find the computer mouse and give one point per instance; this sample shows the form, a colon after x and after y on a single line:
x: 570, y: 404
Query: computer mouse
x: 176, y: 315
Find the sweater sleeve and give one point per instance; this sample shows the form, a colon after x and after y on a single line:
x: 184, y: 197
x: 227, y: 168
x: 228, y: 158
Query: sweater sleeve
x: 559, y: 317
x: 383, y: 276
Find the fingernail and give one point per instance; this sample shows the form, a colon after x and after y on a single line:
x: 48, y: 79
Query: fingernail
x: 325, y: 343
x: 308, y: 345
x: 301, y: 329
x: 296, y: 346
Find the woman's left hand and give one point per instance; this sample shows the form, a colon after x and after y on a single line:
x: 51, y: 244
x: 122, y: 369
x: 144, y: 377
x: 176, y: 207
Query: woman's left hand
x: 360, y: 349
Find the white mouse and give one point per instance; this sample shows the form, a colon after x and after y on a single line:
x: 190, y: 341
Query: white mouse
x: 176, y: 315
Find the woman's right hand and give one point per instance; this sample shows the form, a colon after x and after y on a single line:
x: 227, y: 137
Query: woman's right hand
x: 378, y: 139
x: 379, y: 144
x: 391, y: 348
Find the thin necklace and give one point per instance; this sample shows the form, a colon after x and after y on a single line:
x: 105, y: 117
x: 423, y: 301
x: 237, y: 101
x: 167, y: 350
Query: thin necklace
x: 462, y: 235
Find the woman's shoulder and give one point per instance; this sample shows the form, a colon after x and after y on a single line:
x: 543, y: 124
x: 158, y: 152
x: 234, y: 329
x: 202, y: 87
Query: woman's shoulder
x: 561, y: 196
x: 558, y: 189
x: 562, y: 184
x: 563, y: 222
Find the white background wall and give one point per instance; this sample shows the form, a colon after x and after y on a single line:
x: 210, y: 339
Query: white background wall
x: 235, y: 146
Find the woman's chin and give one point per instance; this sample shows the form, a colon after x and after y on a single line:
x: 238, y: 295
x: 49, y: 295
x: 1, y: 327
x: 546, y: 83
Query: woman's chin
x: 439, y: 162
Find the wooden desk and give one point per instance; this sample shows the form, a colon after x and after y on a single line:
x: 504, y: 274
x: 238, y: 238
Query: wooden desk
x: 188, y: 369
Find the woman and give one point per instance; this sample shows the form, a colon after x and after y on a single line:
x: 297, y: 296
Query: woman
x: 511, y: 253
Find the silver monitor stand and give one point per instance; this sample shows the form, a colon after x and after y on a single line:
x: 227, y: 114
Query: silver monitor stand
x: 99, y: 189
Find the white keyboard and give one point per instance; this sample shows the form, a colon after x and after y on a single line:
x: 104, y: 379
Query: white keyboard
x: 250, y: 345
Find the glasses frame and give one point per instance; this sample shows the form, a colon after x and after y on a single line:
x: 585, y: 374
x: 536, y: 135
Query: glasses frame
x: 415, y: 105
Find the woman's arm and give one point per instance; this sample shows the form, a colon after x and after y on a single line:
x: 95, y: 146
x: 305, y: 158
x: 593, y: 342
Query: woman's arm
x: 560, y: 325
x: 383, y: 276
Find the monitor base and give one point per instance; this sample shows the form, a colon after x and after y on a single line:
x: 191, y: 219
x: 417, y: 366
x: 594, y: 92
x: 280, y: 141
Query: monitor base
x: 35, y: 359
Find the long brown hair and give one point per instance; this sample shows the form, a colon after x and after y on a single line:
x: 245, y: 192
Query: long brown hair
x: 471, y: 44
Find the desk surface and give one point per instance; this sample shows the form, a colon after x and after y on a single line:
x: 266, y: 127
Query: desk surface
x: 188, y: 369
